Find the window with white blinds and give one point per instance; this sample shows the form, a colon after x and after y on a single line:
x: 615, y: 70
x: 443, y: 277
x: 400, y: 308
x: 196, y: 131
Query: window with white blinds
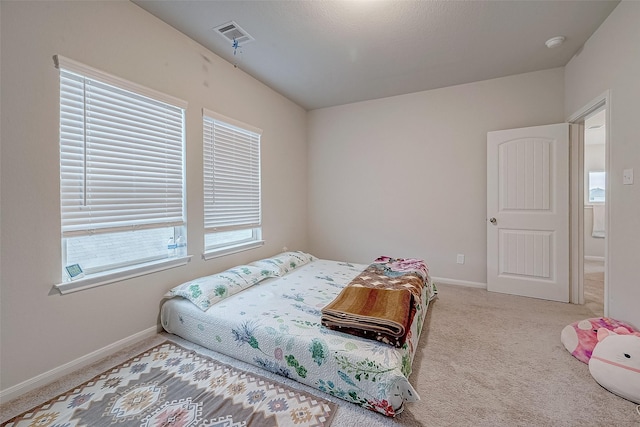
x: 232, y: 201
x: 121, y: 163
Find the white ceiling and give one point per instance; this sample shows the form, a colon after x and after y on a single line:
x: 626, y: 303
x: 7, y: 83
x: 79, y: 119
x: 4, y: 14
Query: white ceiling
x: 325, y: 53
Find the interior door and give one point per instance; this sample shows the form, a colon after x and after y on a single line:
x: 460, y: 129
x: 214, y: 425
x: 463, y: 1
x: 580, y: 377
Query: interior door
x: 528, y: 212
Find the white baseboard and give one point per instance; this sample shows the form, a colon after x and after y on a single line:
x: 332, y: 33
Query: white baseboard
x: 594, y: 258
x: 52, y: 375
x: 446, y: 281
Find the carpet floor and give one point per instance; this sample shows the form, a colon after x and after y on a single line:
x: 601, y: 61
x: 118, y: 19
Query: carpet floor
x: 594, y: 286
x: 484, y: 359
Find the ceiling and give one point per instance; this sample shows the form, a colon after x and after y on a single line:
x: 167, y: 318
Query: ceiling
x: 325, y: 53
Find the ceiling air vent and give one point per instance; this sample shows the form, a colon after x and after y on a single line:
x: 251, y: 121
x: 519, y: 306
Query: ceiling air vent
x: 231, y: 31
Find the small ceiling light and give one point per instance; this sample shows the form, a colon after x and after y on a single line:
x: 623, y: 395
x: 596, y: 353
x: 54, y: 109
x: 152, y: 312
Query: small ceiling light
x: 555, y: 42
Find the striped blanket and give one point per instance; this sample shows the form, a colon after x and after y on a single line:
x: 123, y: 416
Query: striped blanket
x: 380, y: 302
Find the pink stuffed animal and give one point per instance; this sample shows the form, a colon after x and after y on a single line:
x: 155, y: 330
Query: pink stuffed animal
x: 615, y: 362
x: 579, y: 338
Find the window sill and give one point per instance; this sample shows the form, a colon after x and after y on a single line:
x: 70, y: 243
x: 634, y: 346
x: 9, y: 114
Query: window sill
x: 96, y: 280
x: 232, y: 250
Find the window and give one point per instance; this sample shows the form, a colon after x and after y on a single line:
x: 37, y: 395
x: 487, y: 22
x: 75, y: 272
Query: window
x: 596, y: 187
x: 232, y: 211
x: 121, y: 172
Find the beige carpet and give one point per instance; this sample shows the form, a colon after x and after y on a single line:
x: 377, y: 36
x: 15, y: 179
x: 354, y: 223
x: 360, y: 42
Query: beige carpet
x: 594, y: 286
x: 485, y: 359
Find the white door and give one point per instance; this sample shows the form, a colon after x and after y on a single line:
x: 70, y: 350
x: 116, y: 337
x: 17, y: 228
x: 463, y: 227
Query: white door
x: 528, y: 212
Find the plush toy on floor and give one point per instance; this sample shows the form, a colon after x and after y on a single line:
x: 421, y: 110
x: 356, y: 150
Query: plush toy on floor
x: 615, y: 362
x: 580, y: 338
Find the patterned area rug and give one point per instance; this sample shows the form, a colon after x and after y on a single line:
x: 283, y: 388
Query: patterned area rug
x: 172, y: 386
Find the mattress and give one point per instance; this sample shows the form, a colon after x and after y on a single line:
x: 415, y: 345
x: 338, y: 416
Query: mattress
x: 275, y: 324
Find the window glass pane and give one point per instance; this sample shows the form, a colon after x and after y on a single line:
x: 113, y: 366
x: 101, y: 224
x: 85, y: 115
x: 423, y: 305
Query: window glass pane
x: 101, y: 252
x: 596, y: 187
x: 229, y: 238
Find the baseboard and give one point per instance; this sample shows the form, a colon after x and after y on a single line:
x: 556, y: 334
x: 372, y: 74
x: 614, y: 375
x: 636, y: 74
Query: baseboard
x: 52, y: 375
x: 594, y: 258
x: 457, y: 282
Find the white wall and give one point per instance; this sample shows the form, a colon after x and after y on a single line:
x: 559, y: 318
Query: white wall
x: 610, y: 60
x: 41, y: 330
x: 594, y: 156
x: 406, y: 176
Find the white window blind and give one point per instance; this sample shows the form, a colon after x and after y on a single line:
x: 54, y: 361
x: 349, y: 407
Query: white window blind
x: 231, y: 174
x: 121, y: 154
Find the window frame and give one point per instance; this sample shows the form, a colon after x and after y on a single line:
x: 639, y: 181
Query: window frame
x: 251, y: 136
x: 596, y: 175
x: 74, y: 71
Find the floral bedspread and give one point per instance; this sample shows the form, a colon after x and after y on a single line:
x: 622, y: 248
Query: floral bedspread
x: 275, y: 324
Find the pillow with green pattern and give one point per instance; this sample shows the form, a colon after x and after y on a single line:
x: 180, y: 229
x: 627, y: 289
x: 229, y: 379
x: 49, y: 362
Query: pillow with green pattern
x: 268, y: 267
x: 283, y: 263
x: 209, y: 290
x: 289, y: 261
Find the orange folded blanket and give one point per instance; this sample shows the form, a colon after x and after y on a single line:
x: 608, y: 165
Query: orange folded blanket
x: 381, y: 314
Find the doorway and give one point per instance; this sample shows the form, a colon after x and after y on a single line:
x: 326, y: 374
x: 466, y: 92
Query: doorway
x: 594, y: 210
x: 590, y: 146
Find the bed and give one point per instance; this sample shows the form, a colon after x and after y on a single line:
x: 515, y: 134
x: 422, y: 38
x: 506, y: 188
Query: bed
x: 268, y: 314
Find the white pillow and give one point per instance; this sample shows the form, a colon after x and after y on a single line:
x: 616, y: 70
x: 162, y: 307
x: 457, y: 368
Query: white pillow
x: 283, y: 263
x: 209, y: 290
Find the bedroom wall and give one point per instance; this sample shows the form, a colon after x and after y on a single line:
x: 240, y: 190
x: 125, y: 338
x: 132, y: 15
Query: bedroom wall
x: 610, y: 61
x: 41, y: 330
x: 406, y: 176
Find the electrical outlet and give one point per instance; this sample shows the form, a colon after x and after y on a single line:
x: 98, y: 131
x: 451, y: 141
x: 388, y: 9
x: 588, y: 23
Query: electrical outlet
x: 460, y: 259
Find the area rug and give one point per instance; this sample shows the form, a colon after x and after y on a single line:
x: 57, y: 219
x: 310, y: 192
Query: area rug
x: 172, y: 386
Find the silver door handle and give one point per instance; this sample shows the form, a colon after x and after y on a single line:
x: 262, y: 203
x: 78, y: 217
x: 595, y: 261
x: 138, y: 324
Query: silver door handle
x: 493, y: 221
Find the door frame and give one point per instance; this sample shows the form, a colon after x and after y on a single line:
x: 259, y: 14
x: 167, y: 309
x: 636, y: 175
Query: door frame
x: 576, y: 185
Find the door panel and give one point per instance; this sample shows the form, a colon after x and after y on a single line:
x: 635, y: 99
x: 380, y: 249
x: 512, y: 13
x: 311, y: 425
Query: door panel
x: 528, y: 196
